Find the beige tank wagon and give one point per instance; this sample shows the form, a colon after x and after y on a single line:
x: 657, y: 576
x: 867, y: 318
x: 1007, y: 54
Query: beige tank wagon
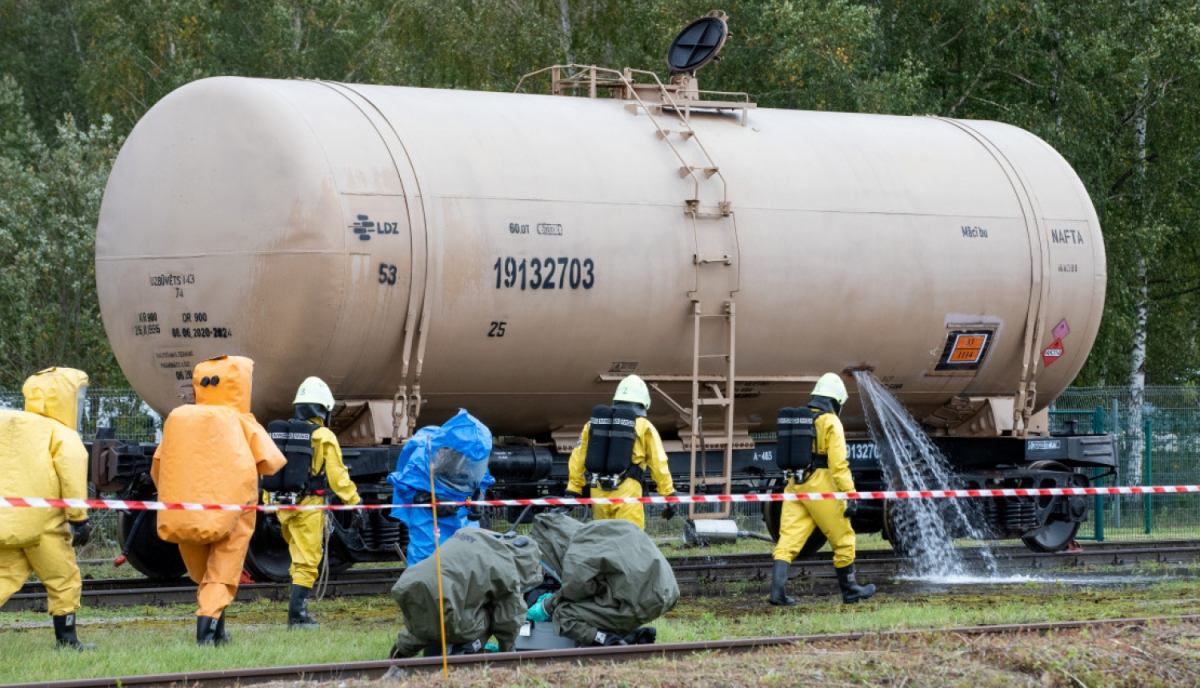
x: 516, y: 254
x: 513, y: 253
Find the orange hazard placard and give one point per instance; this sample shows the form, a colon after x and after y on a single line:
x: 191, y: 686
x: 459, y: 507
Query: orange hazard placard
x: 1053, y: 352
x: 967, y: 348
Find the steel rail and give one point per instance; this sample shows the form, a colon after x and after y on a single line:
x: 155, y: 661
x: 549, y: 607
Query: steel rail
x: 695, y: 575
x: 378, y: 668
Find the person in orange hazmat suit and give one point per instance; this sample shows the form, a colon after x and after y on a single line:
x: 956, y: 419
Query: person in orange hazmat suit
x: 212, y: 453
x: 41, y: 455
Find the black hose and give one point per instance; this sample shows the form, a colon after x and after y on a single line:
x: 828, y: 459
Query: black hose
x: 513, y: 528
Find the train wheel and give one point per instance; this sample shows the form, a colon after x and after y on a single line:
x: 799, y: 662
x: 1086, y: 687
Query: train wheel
x: 1057, y: 535
x: 772, y: 512
x: 151, y: 556
x: 902, y: 545
x: 1054, y: 537
x: 268, y: 559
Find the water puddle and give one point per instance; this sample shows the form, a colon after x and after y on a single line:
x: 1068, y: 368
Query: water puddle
x: 1026, y: 579
x: 927, y: 527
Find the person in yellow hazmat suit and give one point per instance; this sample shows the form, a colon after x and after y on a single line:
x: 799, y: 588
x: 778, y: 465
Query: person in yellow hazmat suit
x: 212, y: 452
x: 616, y: 449
x: 827, y: 470
x: 314, y: 467
x: 41, y: 455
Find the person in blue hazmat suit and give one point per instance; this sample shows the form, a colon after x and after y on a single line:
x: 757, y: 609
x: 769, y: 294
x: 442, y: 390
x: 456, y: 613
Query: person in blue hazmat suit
x: 457, y: 454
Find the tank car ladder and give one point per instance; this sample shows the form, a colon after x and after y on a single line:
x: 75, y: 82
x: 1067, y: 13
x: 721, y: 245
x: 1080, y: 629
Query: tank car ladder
x: 709, y: 289
x: 726, y: 257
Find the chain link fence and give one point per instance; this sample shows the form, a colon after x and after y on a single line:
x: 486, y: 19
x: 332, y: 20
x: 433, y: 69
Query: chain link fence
x: 1158, y: 444
x: 131, y: 419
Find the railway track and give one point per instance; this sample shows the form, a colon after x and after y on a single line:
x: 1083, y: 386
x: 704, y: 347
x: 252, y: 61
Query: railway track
x: 696, y: 575
x: 377, y: 669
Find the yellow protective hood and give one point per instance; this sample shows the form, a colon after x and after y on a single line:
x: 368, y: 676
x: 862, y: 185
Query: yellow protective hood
x: 55, y: 393
x: 224, y: 381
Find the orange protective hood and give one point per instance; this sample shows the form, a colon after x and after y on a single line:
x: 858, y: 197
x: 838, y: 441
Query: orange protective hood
x: 224, y: 381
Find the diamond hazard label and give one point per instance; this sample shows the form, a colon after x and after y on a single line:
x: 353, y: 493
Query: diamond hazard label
x: 1052, y: 353
x: 1061, y: 330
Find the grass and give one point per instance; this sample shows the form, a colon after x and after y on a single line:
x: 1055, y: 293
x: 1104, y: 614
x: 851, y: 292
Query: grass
x: 139, y: 640
x: 1161, y: 655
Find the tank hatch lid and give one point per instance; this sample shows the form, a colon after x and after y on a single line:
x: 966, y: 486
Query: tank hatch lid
x: 698, y: 43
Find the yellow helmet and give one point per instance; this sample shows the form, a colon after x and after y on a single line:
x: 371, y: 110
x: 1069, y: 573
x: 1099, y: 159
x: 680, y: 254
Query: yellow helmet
x: 830, y: 385
x: 633, y: 389
x: 314, y: 391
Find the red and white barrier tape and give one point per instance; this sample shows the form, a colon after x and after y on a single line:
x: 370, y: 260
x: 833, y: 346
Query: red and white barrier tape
x: 129, y: 505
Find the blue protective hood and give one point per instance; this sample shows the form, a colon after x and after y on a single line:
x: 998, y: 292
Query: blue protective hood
x: 464, y: 434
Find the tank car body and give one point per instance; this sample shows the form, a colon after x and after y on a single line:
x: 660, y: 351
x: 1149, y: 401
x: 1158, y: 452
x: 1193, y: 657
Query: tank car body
x: 424, y: 250
x: 512, y: 249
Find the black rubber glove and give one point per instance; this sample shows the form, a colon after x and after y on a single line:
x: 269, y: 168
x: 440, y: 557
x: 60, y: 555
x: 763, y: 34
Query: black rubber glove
x: 356, y: 520
x: 851, y: 508
x: 474, y: 512
x: 571, y: 494
x: 669, y: 512
x: 81, y: 532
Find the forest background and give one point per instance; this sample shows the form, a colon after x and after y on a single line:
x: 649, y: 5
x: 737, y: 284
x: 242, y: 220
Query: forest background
x: 1113, y: 85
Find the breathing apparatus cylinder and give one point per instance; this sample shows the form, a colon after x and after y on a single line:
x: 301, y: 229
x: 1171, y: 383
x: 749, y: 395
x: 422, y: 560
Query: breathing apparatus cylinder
x: 294, y: 439
x: 799, y: 453
x: 620, y: 445
x: 786, y: 424
x: 599, y: 435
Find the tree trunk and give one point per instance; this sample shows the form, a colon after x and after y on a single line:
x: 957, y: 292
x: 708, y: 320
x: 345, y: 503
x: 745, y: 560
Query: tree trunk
x: 564, y: 10
x: 1137, y: 374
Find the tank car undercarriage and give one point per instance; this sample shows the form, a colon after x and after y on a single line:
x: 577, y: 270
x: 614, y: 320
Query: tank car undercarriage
x: 531, y: 470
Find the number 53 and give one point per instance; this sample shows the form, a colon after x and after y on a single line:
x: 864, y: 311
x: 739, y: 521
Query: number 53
x: 387, y: 273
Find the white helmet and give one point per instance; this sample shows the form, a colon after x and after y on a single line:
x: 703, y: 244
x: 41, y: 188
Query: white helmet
x: 830, y: 385
x: 314, y: 391
x: 633, y: 389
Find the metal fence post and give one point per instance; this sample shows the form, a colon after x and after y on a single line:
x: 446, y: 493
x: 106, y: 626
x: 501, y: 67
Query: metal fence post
x: 1147, y: 426
x: 1098, y: 501
x: 1123, y: 451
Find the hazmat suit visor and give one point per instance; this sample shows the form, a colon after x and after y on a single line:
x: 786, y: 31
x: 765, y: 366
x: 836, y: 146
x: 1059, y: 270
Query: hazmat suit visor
x: 80, y: 405
x: 458, y: 472
x: 461, y: 447
x: 58, y: 394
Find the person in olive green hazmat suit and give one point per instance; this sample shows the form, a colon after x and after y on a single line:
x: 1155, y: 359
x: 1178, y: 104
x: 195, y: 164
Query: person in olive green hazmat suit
x: 304, y: 530
x: 212, y: 452
x: 830, y: 472
x: 41, y: 455
x: 484, y: 576
x: 648, y: 455
x: 614, y: 579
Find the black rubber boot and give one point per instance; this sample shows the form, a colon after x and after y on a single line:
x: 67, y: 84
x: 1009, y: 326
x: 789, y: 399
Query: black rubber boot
x: 298, y: 609
x: 607, y: 639
x: 646, y: 635
x: 779, y: 577
x: 220, y: 637
x: 206, y: 630
x: 852, y: 592
x: 64, y: 633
